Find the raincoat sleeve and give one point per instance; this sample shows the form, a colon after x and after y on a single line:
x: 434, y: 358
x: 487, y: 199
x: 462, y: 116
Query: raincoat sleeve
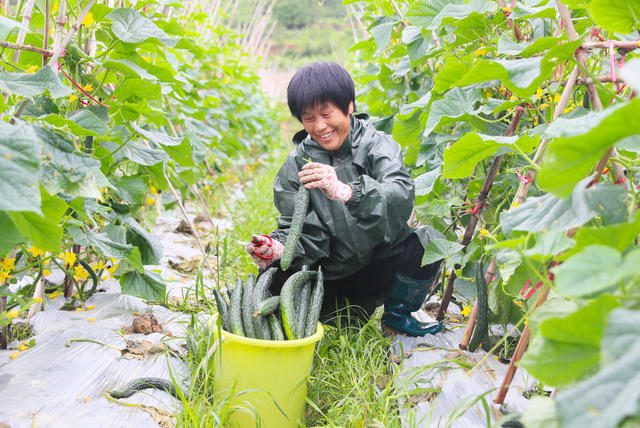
x: 314, y: 242
x: 383, y: 197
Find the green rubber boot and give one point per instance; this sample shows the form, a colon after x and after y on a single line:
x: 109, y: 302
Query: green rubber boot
x: 406, y: 296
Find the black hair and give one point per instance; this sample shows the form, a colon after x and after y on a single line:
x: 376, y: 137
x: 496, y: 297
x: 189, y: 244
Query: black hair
x: 318, y: 83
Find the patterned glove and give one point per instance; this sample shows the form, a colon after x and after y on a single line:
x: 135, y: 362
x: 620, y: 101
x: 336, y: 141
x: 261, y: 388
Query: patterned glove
x: 264, y: 250
x: 321, y: 176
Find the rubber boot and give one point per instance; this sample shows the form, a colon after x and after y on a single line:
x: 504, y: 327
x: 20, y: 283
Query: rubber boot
x: 406, y: 296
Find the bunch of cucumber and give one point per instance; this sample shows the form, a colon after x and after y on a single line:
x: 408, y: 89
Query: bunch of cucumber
x: 251, y: 311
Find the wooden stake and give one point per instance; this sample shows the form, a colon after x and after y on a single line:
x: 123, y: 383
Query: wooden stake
x: 10, y: 45
x: 205, y: 210
x: 4, y: 330
x: 57, y: 51
x: 480, y: 201
x: 45, y: 36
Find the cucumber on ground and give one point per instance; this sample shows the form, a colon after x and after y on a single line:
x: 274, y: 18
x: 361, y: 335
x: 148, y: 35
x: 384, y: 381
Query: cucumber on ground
x: 275, y: 328
x: 145, y: 383
x: 247, y: 294
x: 303, y: 308
x: 235, y: 310
x: 223, y: 309
x: 315, y: 304
x: 268, y: 306
x: 295, y: 229
x: 259, y: 294
x: 291, y: 285
x: 482, y: 325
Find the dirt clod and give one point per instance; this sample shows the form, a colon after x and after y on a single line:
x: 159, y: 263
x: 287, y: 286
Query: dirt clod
x: 145, y: 324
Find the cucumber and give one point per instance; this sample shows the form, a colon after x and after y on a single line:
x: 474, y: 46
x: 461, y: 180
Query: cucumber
x: 235, y: 310
x: 247, y: 319
x: 302, y: 309
x: 482, y: 325
x: 259, y: 294
x: 291, y: 285
x: 223, y: 310
x: 275, y: 328
x: 315, y: 304
x: 295, y: 229
x: 268, y: 306
x: 145, y: 383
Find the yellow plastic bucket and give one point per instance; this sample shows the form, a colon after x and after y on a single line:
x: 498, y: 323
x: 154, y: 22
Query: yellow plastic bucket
x: 272, y: 372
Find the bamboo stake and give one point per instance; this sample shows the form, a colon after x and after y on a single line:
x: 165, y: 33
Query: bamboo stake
x: 205, y: 211
x: 45, y: 36
x: 60, y: 22
x: 37, y: 293
x: 618, y: 44
x: 10, y: 45
x: 473, y: 221
x: 473, y: 317
x: 26, y: 21
x: 72, y: 31
x: 191, y: 225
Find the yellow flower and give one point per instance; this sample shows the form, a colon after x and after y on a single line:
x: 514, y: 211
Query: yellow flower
x: 54, y: 8
x: 512, y: 98
x: 56, y: 294
x: 135, y: 314
x: 153, y: 190
x: 31, y: 69
x: 98, y: 266
x: 207, y: 188
x: 69, y: 257
x: 481, y: 52
x: 146, y: 58
x: 526, y: 321
x: 150, y: 200
x: 91, y: 307
x: 72, y: 98
x: 556, y: 98
x: 79, y: 309
x: 38, y: 299
x: 46, y: 272
x: 483, y: 232
x: 543, y: 106
x: 539, y: 92
x: 518, y: 302
x: 88, y: 20
x: 81, y: 273
x: 515, y: 205
x: 506, y: 9
x: 4, y: 275
x: 569, y: 108
x: 88, y: 87
x: 14, y: 355
x: 13, y: 313
x: 91, y: 319
x: 35, y: 251
x: 466, y: 310
x: 8, y: 263
x: 22, y: 347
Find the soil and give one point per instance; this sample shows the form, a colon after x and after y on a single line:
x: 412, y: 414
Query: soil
x: 145, y: 324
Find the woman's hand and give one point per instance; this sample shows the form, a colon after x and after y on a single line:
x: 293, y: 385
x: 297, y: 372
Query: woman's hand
x: 264, y: 250
x: 321, y: 176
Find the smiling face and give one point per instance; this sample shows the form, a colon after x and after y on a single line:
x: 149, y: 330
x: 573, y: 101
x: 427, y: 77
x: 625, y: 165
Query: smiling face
x: 327, y: 124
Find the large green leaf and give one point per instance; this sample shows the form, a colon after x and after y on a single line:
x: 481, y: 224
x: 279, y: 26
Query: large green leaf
x: 567, y: 349
x: 456, y: 105
x: 131, y: 27
x: 157, y: 137
x: 549, y: 244
x: 42, y: 230
x: 461, y: 158
x: 439, y: 249
x: 595, y: 269
x: 137, y: 152
x: 9, y: 235
x: 131, y: 189
x: 6, y: 25
x: 81, y: 123
x: 407, y: 132
x: 182, y: 153
x: 100, y: 242
x: 431, y: 14
x: 548, y: 212
x: 31, y: 84
x: 88, y: 120
x: 569, y: 159
x: 147, y: 285
x: 623, y: 330
x: 424, y: 182
x: 616, y: 16
x: 618, y: 236
x: 20, y: 156
x: 149, y: 246
x: 128, y: 68
x: 382, y: 34
x: 607, y: 398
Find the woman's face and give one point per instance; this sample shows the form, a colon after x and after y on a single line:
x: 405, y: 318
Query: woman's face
x: 327, y: 124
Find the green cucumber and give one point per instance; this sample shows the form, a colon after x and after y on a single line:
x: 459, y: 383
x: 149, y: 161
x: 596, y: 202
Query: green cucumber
x: 235, y: 310
x: 275, y: 328
x: 223, y: 310
x: 247, y: 319
x: 291, y: 285
x: 259, y: 294
x: 482, y: 324
x: 295, y: 229
x: 145, y: 383
x: 268, y: 306
x: 315, y: 304
x: 302, y: 309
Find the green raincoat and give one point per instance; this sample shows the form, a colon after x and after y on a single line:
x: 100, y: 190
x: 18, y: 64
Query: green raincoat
x: 345, y: 237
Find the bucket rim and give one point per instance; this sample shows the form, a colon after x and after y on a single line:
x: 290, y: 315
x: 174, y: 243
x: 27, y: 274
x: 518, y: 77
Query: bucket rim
x: 309, y: 340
